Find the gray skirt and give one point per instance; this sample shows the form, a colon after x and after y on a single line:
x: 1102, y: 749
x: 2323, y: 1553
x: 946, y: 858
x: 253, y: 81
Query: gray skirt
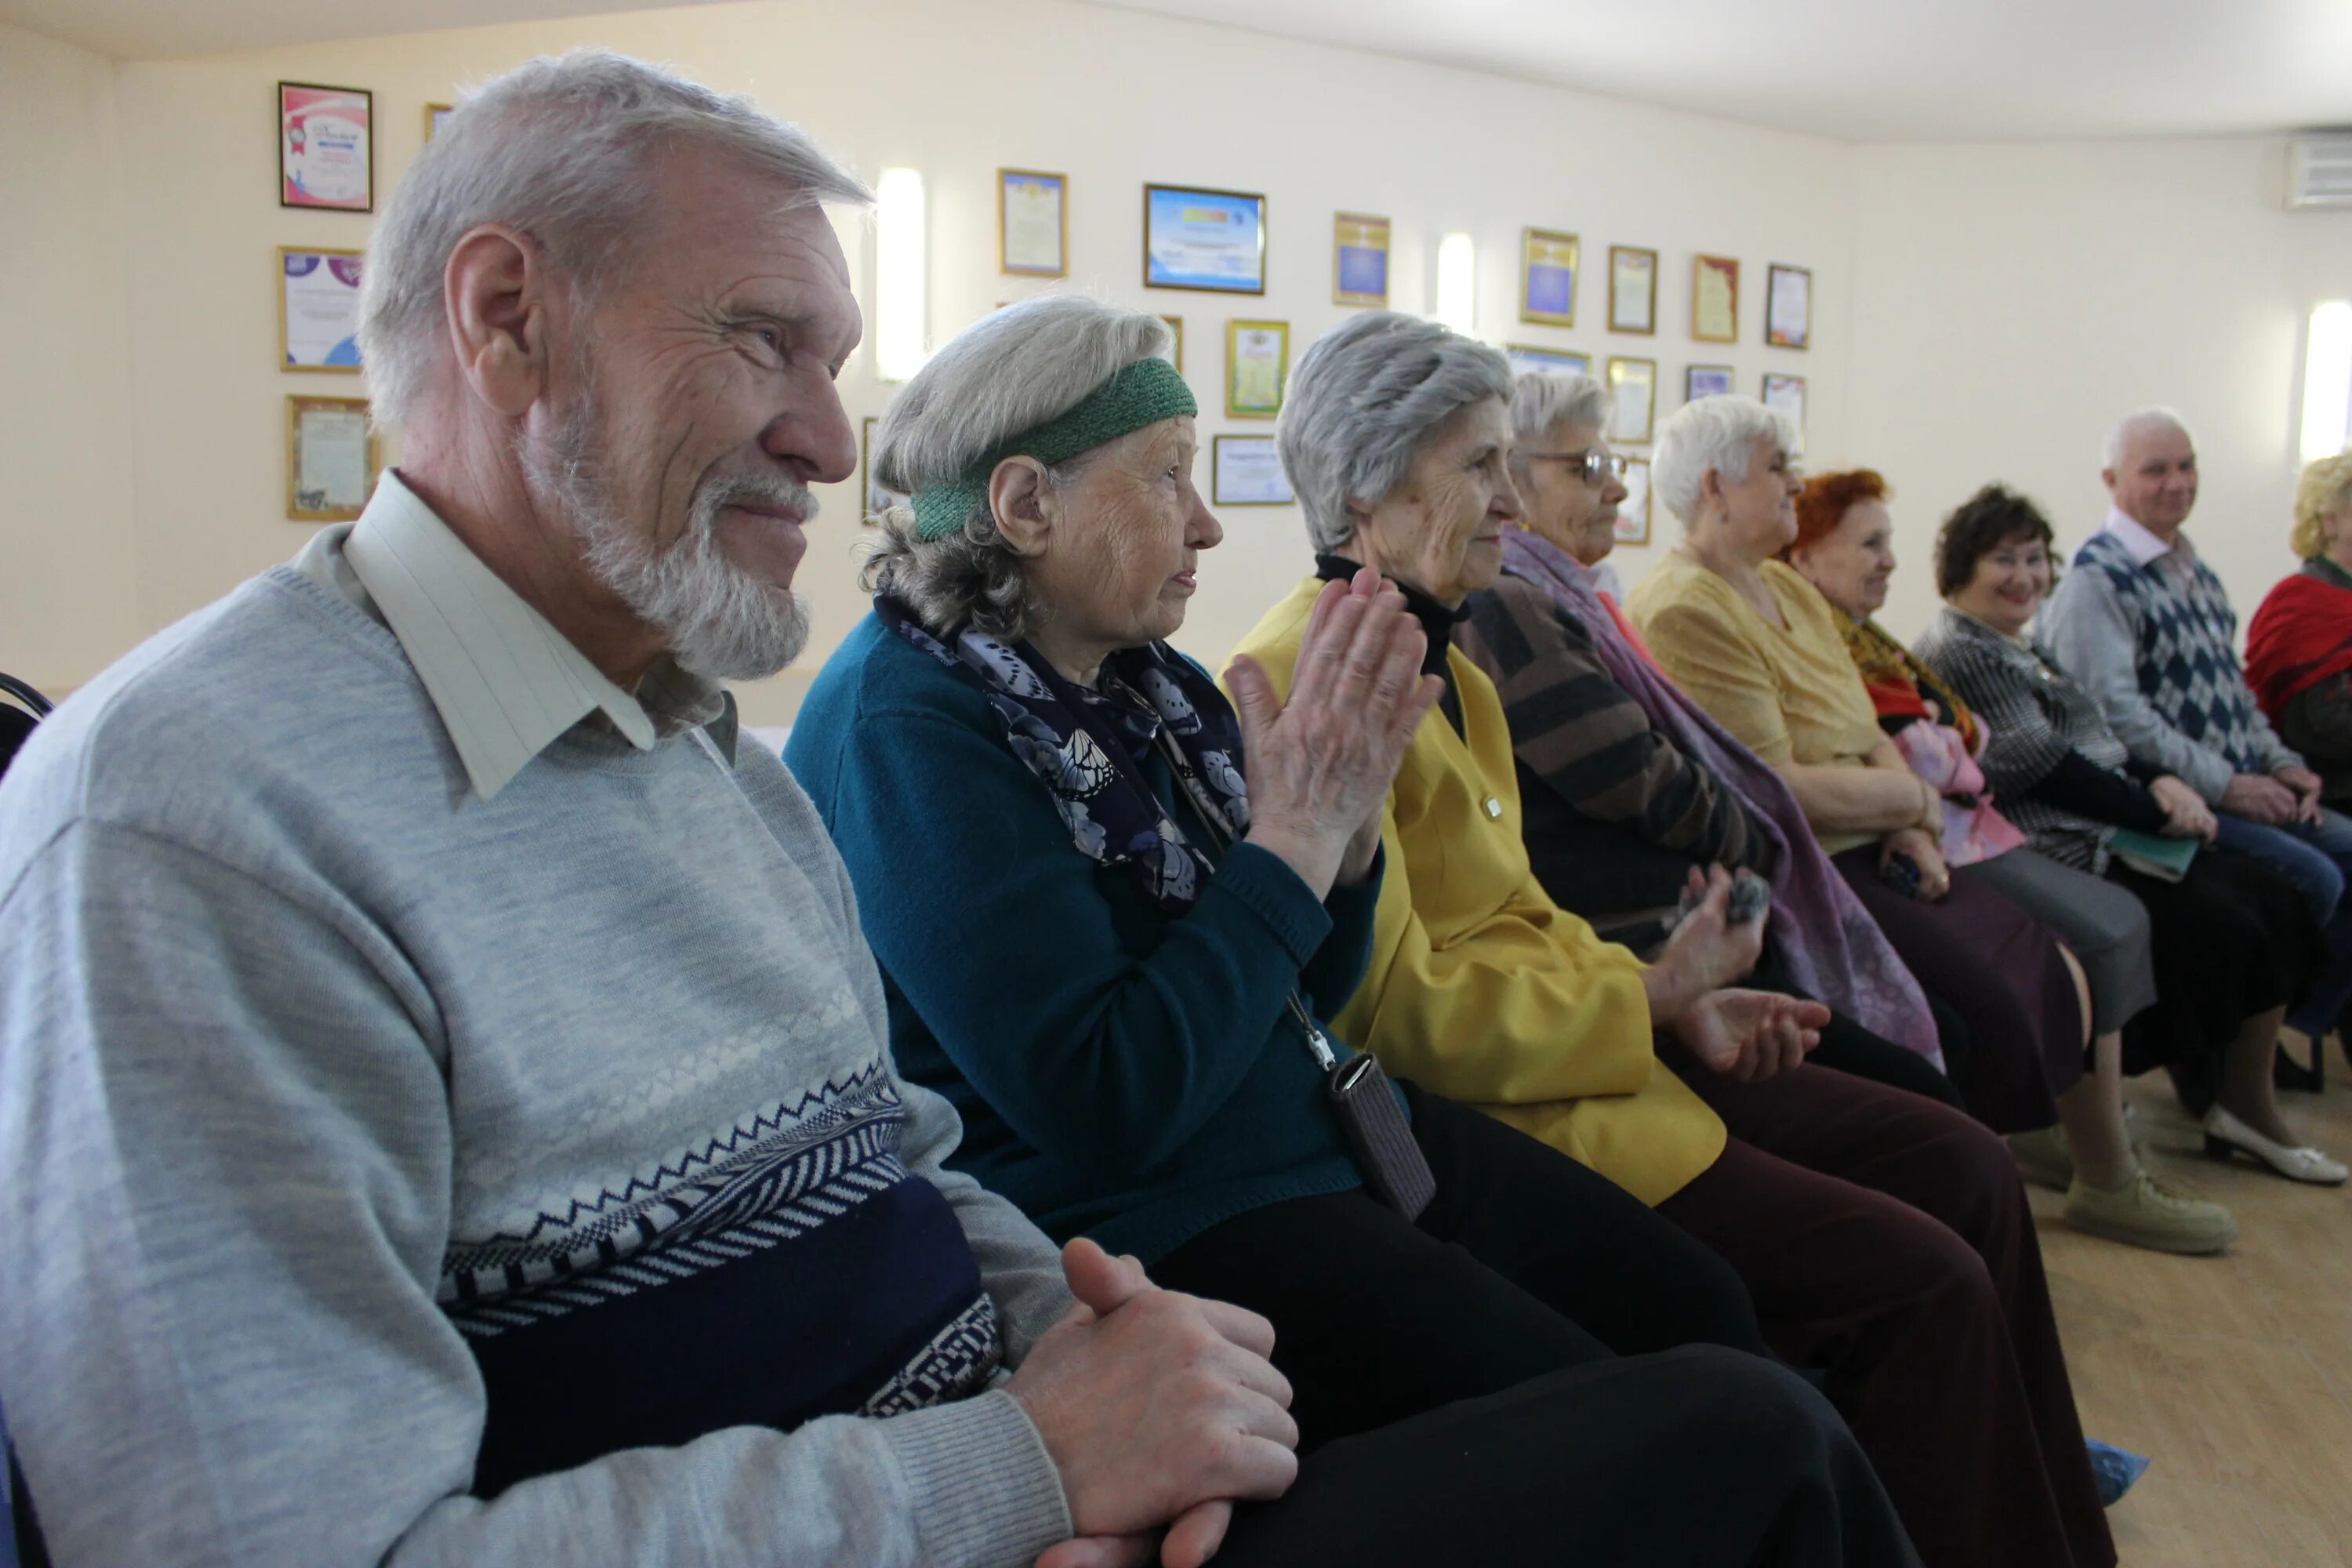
x: 2102, y: 925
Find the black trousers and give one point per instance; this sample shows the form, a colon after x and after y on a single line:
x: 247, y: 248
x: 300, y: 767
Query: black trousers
x: 1523, y: 1264
x: 1700, y: 1458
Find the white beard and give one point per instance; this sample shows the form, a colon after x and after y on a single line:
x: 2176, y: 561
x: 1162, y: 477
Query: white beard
x: 722, y: 623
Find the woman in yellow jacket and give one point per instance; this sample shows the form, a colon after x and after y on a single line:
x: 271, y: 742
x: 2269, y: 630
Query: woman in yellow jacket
x: 1885, y: 1236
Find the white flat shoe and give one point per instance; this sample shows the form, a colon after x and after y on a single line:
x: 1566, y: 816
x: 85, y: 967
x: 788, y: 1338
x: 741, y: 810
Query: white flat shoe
x: 2225, y: 1135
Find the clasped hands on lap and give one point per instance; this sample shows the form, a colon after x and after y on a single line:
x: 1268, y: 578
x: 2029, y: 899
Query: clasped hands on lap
x: 2288, y: 796
x: 1745, y: 1035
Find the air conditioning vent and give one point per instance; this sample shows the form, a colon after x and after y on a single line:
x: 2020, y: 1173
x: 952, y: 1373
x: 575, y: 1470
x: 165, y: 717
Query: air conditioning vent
x: 2319, y: 169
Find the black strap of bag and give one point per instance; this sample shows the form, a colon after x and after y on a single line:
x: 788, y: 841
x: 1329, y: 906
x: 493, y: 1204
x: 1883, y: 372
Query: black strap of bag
x: 1370, y: 1117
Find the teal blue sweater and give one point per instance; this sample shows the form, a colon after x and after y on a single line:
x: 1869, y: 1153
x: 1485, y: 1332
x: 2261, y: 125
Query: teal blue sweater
x: 1122, y: 1073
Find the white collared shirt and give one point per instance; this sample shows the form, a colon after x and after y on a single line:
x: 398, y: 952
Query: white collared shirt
x: 2141, y: 541
x: 504, y: 681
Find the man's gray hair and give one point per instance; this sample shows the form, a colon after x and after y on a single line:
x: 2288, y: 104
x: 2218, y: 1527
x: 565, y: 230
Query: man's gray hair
x: 1717, y: 433
x: 1004, y: 375
x: 567, y: 149
x: 2119, y: 439
x: 1363, y: 401
x: 1539, y: 401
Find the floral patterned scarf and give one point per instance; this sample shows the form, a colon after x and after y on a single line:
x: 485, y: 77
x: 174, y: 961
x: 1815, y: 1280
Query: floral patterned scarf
x: 1087, y: 747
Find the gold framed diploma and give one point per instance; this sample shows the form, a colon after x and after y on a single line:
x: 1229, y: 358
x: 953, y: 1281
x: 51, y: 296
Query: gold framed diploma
x: 1633, y: 290
x: 1175, y: 354
x: 1633, y: 400
x: 1634, y: 511
x: 1548, y: 264
x: 1714, y: 300
x: 1359, y: 260
x: 330, y: 458
x: 434, y: 113
x: 1787, y: 394
x: 1257, y: 362
x: 1032, y: 223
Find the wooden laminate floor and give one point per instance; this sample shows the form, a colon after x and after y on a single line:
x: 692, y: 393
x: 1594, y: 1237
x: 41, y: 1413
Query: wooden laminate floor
x: 2234, y: 1372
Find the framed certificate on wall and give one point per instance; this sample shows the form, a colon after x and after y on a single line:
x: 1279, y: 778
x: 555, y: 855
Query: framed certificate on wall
x: 1244, y: 470
x: 1175, y: 354
x: 330, y: 458
x: 317, y: 310
x: 1257, y: 362
x: 1633, y: 290
x: 1714, y: 300
x: 1634, y: 511
x: 1198, y: 238
x: 1633, y: 399
x: 1706, y: 380
x: 1787, y: 394
x: 1527, y: 358
x: 1788, y: 307
x: 434, y: 113
x: 326, y: 147
x: 1032, y: 223
x: 1548, y: 263
x: 1359, y: 260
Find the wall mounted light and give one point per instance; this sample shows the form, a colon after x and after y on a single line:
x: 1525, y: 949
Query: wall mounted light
x: 901, y: 323
x: 2328, y: 380
x: 1457, y: 283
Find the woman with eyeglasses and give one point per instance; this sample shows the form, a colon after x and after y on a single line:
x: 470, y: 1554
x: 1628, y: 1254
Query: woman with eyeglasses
x: 1629, y: 791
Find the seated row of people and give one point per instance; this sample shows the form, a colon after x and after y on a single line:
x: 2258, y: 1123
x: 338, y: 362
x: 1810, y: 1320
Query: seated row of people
x: 452, y: 1101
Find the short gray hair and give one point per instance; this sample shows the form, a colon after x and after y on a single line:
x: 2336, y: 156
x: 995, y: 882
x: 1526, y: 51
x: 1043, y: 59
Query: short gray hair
x: 1363, y: 401
x: 2132, y: 424
x: 1004, y: 375
x: 565, y: 149
x: 1539, y: 401
x: 1717, y: 433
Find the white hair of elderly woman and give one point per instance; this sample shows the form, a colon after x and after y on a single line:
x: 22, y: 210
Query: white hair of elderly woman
x: 1363, y: 401
x: 565, y: 149
x: 1539, y: 401
x: 1004, y: 375
x: 1717, y: 433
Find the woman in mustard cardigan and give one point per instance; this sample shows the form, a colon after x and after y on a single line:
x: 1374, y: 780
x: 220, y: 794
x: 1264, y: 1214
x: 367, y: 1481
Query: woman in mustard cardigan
x: 1883, y: 1236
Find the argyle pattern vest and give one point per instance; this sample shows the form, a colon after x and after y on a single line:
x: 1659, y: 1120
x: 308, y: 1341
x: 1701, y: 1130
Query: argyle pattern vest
x: 2185, y: 650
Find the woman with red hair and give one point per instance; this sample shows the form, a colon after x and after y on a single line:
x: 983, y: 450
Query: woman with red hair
x: 1844, y: 547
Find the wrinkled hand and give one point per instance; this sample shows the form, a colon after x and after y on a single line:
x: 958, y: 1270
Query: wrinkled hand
x: 2306, y: 785
x: 1706, y: 952
x: 1318, y: 766
x: 2186, y: 815
x: 1750, y: 1034
x: 1156, y: 1407
x: 1934, y: 876
x: 2260, y: 799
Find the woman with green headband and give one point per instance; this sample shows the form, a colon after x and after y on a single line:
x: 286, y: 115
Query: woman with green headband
x: 1111, y: 917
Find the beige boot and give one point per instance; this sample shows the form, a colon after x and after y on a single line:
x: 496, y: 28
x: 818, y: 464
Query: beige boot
x: 2144, y: 1212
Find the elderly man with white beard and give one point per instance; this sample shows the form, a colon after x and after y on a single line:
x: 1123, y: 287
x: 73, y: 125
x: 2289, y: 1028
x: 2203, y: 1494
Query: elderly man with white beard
x: 447, y: 1095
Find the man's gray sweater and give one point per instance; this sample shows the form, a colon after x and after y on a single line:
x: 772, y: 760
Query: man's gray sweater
x: 401, y: 1176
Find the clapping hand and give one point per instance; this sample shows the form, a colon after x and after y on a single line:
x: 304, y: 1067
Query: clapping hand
x: 2260, y: 799
x: 1159, y: 1409
x: 1318, y: 766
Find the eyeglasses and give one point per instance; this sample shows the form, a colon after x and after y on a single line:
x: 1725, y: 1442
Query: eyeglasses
x: 1590, y: 464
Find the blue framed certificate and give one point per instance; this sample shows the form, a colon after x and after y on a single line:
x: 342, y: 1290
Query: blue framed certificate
x: 1525, y: 358
x: 1548, y: 266
x: 1246, y: 470
x: 1359, y: 261
x: 1196, y: 239
x: 1706, y: 380
x: 317, y: 310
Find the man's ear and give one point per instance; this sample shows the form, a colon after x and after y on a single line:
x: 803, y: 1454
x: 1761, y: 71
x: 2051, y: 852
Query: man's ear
x: 1023, y: 501
x: 496, y: 288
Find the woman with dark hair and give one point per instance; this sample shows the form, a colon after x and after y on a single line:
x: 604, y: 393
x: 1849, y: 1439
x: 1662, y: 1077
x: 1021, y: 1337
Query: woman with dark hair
x: 2233, y: 940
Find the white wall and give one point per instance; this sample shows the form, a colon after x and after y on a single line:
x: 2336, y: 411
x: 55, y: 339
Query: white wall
x: 69, y: 593
x: 2011, y: 301
x: 1112, y: 98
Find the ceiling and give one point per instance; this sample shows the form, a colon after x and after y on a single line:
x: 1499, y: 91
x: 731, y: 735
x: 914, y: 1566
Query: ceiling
x: 1877, y: 71
x: 1865, y: 71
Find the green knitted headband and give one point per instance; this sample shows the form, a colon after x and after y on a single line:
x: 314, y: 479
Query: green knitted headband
x: 1142, y: 394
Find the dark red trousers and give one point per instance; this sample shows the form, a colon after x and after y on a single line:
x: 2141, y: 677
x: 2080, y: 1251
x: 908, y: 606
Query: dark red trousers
x: 1886, y: 1240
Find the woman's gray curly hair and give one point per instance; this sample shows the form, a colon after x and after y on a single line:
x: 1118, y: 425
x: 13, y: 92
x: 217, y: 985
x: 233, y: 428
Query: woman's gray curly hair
x: 1004, y: 374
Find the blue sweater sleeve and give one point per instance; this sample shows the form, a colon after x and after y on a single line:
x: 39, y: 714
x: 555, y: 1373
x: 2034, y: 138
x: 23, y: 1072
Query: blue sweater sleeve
x: 1332, y: 975
x: 1107, y: 1052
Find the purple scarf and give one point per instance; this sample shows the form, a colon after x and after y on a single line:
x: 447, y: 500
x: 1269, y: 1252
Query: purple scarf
x: 1831, y: 947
